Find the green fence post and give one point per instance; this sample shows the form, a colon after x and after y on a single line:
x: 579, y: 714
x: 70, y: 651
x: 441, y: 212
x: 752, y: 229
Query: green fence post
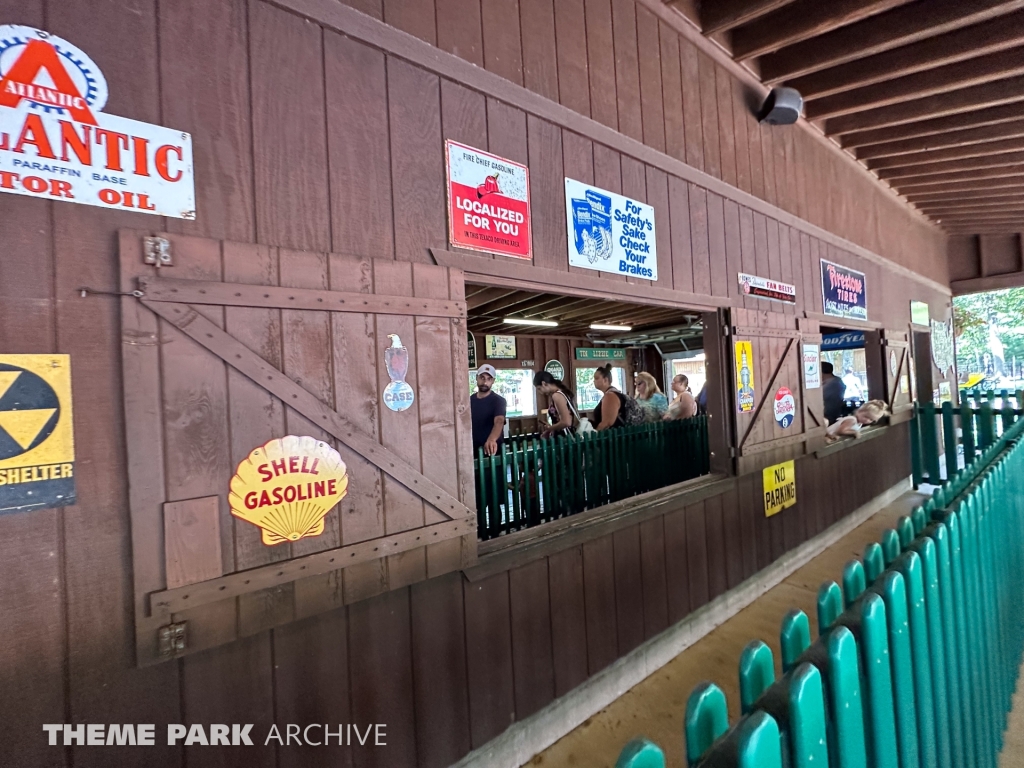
x: 930, y: 444
x: 986, y: 426
x: 641, y: 753
x: 920, y: 520
x: 967, y: 430
x: 890, y: 546
x: 916, y: 463
x: 968, y: 685
x: 874, y: 562
x: 854, y: 582
x: 830, y: 605
x: 905, y: 531
x: 758, y: 742
x: 893, y: 591
x: 757, y: 673
x: 807, y: 718
x: 939, y: 534
x: 707, y: 719
x: 949, y: 441
x: 877, y: 691
x: 849, y: 742
x: 909, y: 565
x: 794, y: 638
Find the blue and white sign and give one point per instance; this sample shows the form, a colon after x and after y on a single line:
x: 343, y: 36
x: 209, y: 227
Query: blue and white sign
x: 843, y: 291
x: 609, y: 232
x: 834, y: 342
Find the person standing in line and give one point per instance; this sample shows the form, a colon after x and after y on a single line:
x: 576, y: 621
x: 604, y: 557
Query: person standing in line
x: 650, y: 397
x: 562, y: 414
x: 684, y: 406
x: 487, y: 409
x: 833, y: 393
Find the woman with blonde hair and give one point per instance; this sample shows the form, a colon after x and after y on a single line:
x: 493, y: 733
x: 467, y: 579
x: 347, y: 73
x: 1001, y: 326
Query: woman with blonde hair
x: 650, y: 397
x: 849, y: 426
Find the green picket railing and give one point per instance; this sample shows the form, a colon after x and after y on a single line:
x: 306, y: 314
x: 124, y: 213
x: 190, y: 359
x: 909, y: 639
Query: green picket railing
x: 533, y: 480
x: 916, y: 657
x: 980, y: 420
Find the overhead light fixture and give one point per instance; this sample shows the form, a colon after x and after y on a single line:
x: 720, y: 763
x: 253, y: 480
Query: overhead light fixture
x: 602, y: 327
x: 527, y: 321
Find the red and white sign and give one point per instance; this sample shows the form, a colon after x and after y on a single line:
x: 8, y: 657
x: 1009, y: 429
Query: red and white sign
x: 785, y: 407
x: 56, y: 143
x: 488, y: 202
x: 764, y: 288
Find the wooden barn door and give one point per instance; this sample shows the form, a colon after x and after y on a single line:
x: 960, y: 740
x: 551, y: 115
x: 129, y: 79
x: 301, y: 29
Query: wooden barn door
x: 896, y: 374
x: 227, y: 346
x: 773, y: 344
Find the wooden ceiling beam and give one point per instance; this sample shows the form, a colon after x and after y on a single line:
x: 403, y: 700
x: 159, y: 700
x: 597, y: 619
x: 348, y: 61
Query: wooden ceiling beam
x: 982, y: 117
x: 937, y: 208
x: 969, y: 43
x: 899, y: 27
x: 949, y: 146
x: 722, y: 15
x: 962, y: 74
x: 1008, y: 229
x: 801, y: 20
x: 965, y: 197
x: 966, y: 185
x: 967, y: 164
x: 937, y: 105
x: 930, y: 179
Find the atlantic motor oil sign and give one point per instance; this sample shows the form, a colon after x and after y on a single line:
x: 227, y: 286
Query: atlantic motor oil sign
x: 56, y: 142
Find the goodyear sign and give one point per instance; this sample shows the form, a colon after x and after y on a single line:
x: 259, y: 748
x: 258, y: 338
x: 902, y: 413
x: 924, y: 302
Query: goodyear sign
x: 779, y: 487
x: 37, y: 449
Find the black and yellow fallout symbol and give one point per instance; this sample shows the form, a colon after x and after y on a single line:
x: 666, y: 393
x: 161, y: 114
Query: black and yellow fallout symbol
x: 37, y: 458
x: 29, y: 410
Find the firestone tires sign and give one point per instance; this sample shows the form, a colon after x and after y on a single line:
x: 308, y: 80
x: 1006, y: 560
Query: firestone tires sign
x: 488, y: 202
x: 56, y: 143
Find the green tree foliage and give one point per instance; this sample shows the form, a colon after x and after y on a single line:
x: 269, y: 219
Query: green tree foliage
x: 972, y: 316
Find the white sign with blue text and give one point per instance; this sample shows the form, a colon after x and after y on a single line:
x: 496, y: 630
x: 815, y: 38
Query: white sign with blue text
x: 609, y: 232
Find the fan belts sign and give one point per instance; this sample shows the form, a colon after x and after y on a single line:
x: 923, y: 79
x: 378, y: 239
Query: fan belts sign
x: 779, y: 487
x: 843, y: 292
x: 37, y: 448
x: 56, y: 143
x: 763, y: 288
x: 609, y: 232
x: 488, y: 202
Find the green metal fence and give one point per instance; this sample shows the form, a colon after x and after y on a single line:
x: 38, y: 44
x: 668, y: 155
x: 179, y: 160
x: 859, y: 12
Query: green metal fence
x: 945, y: 438
x: 917, y: 654
x: 534, y: 480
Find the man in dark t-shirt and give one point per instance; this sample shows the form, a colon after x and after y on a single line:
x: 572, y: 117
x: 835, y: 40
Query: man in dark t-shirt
x: 488, y: 412
x: 833, y: 393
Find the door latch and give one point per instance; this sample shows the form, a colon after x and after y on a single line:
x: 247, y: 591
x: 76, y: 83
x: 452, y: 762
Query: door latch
x: 157, y: 251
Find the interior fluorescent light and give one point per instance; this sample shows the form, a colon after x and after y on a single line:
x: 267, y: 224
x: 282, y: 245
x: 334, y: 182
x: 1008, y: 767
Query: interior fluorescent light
x: 526, y: 321
x: 601, y: 327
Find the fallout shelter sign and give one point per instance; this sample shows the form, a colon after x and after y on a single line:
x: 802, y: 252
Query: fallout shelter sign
x: 37, y: 447
x: 609, y: 232
x: 56, y: 142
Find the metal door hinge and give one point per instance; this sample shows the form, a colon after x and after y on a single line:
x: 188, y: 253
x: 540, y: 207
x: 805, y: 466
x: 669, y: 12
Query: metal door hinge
x: 173, y: 639
x: 726, y: 330
x: 157, y: 251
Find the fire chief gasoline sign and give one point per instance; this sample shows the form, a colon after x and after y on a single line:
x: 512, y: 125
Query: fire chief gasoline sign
x: 37, y: 450
x: 488, y: 202
x: 57, y: 143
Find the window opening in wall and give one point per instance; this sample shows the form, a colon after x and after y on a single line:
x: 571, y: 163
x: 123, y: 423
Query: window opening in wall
x: 844, y: 350
x: 544, y: 469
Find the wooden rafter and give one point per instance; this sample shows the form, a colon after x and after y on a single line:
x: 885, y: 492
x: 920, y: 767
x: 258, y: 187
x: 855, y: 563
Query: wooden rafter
x: 966, y: 197
x: 1000, y: 160
x: 960, y: 148
x: 898, y: 27
x: 722, y: 15
x: 907, y: 183
x: 991, y: 116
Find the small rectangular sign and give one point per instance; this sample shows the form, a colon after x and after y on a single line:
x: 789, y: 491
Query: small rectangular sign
x: 500, y: 347
x: 488, y: 202
x: 744, y: 353
x: 779, y: 487
x: 843, y: 292
x: 609, y: 232
x: 834, y: 342
x: 812, y: 366
x: 37, y: 446
x: 586, y: 353
x: 919, y: 313
x: 763, y: 288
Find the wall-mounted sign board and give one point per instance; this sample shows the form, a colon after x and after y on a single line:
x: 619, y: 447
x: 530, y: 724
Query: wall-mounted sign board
x: 37, y: 447
x: 488, y: 202
x: 609, y: 232
x: 843, y: 292
x: 763, y: 288
x: 919, y: 313
x: 500, y: 347
x: 56, y: 143
x: 779, y: 482
x: 587, y: 353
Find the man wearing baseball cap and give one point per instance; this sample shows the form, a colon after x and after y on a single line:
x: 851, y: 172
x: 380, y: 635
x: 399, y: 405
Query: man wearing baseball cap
x: 488, y: 412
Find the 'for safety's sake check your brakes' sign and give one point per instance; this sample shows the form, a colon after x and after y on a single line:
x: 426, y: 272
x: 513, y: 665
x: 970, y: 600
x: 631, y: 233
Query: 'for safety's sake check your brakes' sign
x: 56, y: 142
x: 609, y: 232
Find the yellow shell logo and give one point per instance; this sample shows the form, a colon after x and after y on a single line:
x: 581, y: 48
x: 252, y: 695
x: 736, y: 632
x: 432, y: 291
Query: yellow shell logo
x: 287, y: 487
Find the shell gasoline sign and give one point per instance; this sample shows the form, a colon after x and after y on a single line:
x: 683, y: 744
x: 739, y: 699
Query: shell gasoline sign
x: 56, y: 142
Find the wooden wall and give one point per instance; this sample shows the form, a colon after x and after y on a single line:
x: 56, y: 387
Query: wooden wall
x: 308, y: 139
x: 986, y: 262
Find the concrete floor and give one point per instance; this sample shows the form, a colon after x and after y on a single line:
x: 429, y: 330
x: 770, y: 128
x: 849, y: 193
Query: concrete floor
x: 655, y: 707
x: 1013, y: 745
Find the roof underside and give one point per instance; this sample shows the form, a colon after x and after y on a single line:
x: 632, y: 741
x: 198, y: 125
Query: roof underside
x: 926, y: 94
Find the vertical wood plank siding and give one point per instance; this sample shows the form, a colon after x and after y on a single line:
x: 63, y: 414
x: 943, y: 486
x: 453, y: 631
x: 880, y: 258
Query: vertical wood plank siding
x: 310, y: 140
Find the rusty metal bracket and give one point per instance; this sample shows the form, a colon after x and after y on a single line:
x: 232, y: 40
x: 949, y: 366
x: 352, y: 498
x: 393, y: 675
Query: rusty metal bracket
x: 157, y: 251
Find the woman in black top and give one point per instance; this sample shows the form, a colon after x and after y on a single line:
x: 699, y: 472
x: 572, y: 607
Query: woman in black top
x: 608, y: 412
x: 561, y: 412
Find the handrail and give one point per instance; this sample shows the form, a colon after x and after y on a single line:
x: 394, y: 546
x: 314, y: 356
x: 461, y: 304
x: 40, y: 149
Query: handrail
x: 919, y: 666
